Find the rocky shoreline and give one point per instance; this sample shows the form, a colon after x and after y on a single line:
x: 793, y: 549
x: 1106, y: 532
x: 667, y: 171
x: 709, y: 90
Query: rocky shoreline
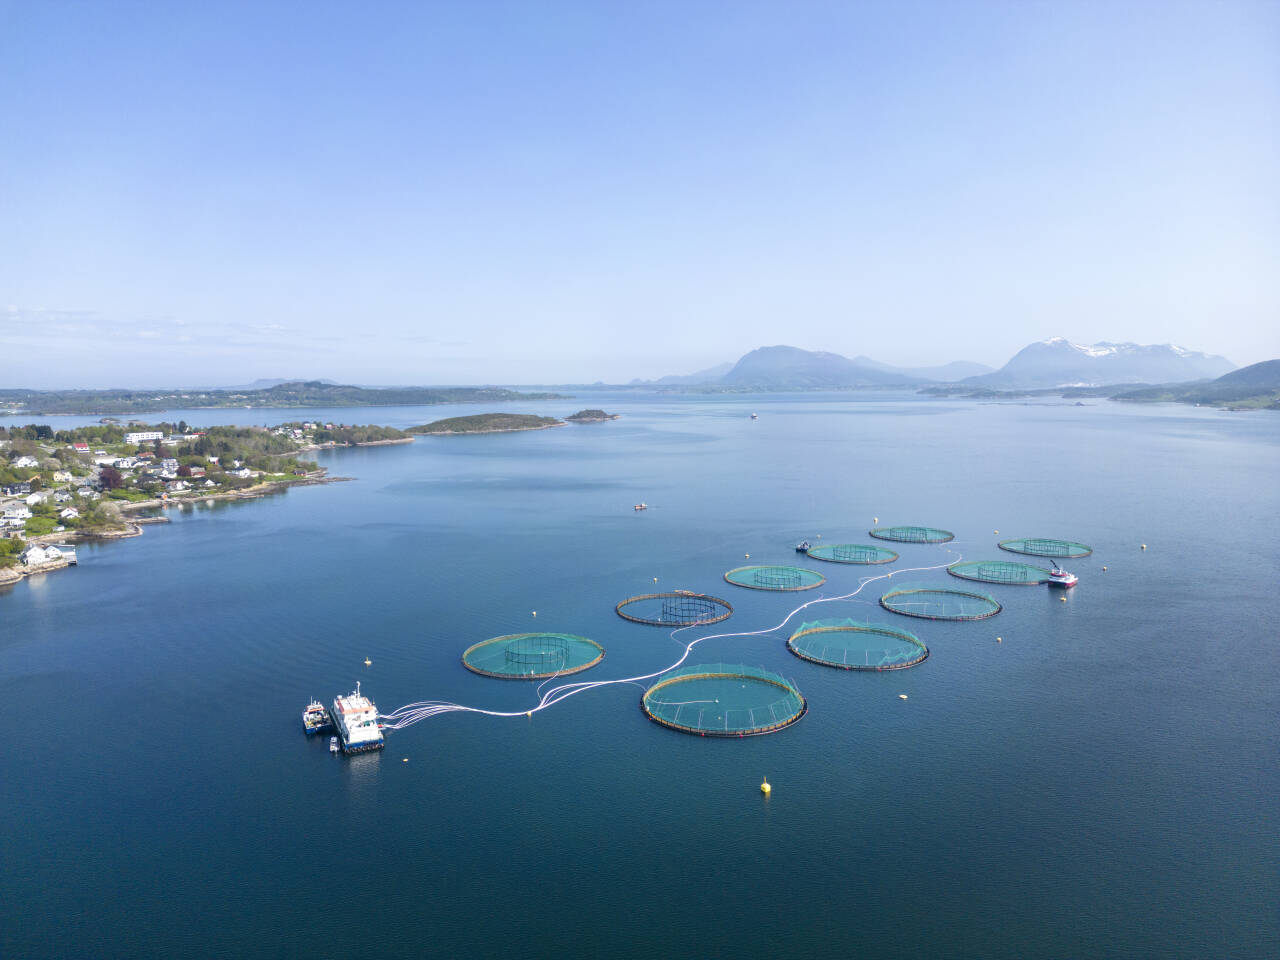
x: 132, y: 526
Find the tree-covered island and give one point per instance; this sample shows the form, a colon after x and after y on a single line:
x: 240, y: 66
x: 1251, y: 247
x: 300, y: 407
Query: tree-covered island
x: 591, y: 416
x: 486, y: 423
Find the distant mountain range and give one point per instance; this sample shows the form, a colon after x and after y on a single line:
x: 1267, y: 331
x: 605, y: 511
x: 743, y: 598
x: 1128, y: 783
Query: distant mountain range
x: 1060, y: 363
x: 1044, y: 365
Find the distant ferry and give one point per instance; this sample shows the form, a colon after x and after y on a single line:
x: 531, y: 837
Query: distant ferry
x: 1062, y: 578
x: 315, y: 718
x: 356, y: 719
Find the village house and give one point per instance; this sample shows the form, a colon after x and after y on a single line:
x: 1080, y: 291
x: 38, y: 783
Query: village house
x: 35, y: 498
x: 62, y: 476
x: 69, y: 514
x: 241, y: 472
x: 36, y: 554
x: 24, y: 463
x: 62, y: 496
x: 80, y: 447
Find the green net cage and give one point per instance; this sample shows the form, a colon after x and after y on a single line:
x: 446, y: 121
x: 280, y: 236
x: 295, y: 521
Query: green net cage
x: 775, y: 578
x: 724, y: 700
x: 676, y: 609
x: 913, y: 534
x: 852, y: 553
x: 999, y: 571
x: 532, y: 656
x: 940, y: 603
x: 1044, y: 547
x: 854, y: 645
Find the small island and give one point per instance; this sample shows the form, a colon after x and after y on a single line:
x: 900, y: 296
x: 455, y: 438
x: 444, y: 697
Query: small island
x: 591, y: 416
x: 486, y: 423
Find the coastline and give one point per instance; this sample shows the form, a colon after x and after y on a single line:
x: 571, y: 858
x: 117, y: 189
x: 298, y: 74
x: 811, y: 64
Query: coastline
x: 342, y: 446
x: 132, y: 526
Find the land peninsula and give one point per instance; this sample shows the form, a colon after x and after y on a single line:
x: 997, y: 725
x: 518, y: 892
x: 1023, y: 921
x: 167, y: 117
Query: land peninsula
x: 505, y: 423
x: 299, y: 393
x: 89, y: 483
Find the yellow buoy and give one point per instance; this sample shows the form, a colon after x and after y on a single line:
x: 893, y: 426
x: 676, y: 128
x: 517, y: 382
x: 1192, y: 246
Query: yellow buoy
x: 1104, y: 569
x: 535, y: 613
x: 996, y: 532
x: 655, y: 579
x: 764, y: 787
x: 999, y: 639
x: 1063, y: 599
x: 368, y: 662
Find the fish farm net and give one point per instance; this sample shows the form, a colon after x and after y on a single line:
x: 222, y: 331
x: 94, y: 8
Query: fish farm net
x: 853, y: 645
x: 775, y: 578
x: 940, y: 603
x: 532, y: 656
x: 724, y: 700
x: 1042, y: 547
x: 852, y: 553
x: 912, y: 534
x: 999, y: 571
x: 680, y: 609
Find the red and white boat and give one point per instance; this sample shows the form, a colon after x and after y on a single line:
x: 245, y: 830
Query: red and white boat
x: 1062, y: 578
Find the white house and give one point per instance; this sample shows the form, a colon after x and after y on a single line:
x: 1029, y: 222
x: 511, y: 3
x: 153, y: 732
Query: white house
x: 35, y: 498
x: 61, y: 496
x: 62, y: 476
x: 142, y: 436
x: 25, y: 462
x: 242, y: 472
x: 17, y: 513
x: 38, y: 554
x: 210, y: 483
x: 69, y: 514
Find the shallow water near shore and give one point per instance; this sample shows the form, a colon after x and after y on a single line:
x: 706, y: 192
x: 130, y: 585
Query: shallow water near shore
x: 1102, y: 782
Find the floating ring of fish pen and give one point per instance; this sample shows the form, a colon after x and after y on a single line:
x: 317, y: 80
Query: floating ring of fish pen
x: 724, y: 700
x: 1045, y: 547
x: 940, y: 603
x: 999, y: 571
x: 775, y: 578
x: 852, y: 553
x: 912, y: 534
x: 532, y: 656
x: 679, y: 608
x: 822, y: 642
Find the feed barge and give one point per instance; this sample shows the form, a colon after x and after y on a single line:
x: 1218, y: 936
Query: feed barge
x: 315, y: 718
x: 355, y: 718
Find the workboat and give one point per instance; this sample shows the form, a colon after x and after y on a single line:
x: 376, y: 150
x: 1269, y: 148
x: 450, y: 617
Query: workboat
x: 356, y: 719
x: 333, y: 744
x: 642, y: 506
x: 802, y: 546
x: 755, y: 417
x: 315, y: 718
x: 1062, y: 578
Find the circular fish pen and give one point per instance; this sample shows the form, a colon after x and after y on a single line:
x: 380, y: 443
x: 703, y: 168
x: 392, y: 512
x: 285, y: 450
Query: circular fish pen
x: 532, y: 656
x: 853, y: 645
x: 852, y: 553
x: 775, y: 578
x: 999, y: 571
x: 724, y: 700
x: 912, y: 534
x: 940, y: 603
x: 1043, y: 547
x: 681, y: 608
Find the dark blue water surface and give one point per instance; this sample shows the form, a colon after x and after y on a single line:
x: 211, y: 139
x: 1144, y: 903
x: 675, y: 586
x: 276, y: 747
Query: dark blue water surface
x: 1104, y: 782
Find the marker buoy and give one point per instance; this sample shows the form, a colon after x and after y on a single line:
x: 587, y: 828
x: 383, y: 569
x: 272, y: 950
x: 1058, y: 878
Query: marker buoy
x: 996, y: 532
x: 405, y: 760
x: 368, y: 662
x: 1063, y: 599
x: 999, y: 639
x: 1144, y: 546
x: 875, y: 519
x: 747, y: 555
x: 1104, y: 569
x: 902, y: 696
x: 764, y: 787
x: 535, y: 613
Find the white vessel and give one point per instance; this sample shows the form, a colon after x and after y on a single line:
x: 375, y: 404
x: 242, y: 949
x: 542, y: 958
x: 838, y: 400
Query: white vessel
x: 356, y: 719
x: 1062, y: 578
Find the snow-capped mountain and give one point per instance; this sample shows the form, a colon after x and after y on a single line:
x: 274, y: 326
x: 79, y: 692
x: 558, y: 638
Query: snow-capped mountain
x: 1059, y: 362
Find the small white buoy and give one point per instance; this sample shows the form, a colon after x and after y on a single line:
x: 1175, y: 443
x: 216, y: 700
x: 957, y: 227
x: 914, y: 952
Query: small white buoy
x: 368, y: 662
x: 902, y: 696
x: 1144, y: 546
x: 535, y: 613
x: 1063, y: 599
x: 999, y: 639
x: 1104, y: 569
x: 655, y: 579
x: 405, y: 760
x: 996, y: 532
x: 747, y: 555
x: 875, y: 519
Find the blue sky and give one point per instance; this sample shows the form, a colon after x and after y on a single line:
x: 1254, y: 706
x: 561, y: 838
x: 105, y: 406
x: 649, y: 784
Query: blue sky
x: 195, y: 194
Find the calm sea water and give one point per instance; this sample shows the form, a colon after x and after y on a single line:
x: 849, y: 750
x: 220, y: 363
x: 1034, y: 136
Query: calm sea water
x: 1104, y: 782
